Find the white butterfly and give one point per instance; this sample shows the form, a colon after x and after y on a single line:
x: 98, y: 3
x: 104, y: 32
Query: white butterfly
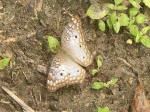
x: 65, y: 68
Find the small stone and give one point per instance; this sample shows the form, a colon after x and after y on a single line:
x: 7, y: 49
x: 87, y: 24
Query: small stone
x: 54, y: 106
x: 102, y: 96
x: 130, y: 81
x: 116, y: 102
x: 87, y: 104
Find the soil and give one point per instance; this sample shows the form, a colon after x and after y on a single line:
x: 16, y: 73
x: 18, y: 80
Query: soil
x: 22, y: 28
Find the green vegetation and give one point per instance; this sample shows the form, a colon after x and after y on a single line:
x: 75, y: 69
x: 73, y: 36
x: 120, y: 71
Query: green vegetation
x: 105, y: 109
x: 53, y: 43
x: 4, y: 62
x: 99, y: 85
x: 99, y: 61
x: 117, y: 15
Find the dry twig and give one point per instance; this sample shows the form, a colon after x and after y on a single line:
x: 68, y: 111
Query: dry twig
x: 25, y: 107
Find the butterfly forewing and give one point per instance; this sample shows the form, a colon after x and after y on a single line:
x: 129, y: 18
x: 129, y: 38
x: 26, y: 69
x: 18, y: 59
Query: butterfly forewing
x: 64, y: 71
x: 73, y: 43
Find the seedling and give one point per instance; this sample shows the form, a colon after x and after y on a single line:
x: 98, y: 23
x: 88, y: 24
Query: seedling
x: 114, y: 16
x: 105, y: 109
x: 53, y: 43
x: 99, y: 61
x: 3, y: 63
x: 99, y: 85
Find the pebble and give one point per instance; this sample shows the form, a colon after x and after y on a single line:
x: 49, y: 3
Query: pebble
x: 130, y: 81
x: 102, y: 96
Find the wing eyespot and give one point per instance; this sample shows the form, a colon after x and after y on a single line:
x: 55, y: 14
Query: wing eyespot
x: 61, y: 74
x: 76, y: 36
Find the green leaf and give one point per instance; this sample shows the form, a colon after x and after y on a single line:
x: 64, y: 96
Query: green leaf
x: 97, y: 11
x: 131, y: 21
x: 101, y: 25
x: 99, y: 61
x: 134, y: 30
x: 145, y: 40
x: 116, y: 27
x: 113, y: 18
x: 117, y: 2
x: 138, y: 38
x: 145, y: 30
x: 14, y: 63
x: 105, y: 109
x: 97, y: 85
x: 140, y: 18
x: 94, y: 71
x: 133, y: 11
x: 135, y: 4
x: 121, y: 8
x: 123, y: 19
x: 147, y: 3
x: 4, y: 62
x: 112, y: 82
x: 53, y: 43
x: 110, y: 6
x: 109, y: 22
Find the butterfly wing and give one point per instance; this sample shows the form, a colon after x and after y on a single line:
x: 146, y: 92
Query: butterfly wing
x: 73, y: 43
x: 64, y: 71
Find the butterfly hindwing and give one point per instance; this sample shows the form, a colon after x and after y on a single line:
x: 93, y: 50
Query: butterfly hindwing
x: 64, y: 71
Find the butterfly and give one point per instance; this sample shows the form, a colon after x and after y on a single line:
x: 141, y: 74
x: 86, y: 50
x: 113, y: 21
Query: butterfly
x: 66, y: 67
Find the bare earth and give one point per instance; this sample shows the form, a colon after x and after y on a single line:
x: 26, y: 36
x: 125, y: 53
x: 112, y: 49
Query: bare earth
x: 22, y: 27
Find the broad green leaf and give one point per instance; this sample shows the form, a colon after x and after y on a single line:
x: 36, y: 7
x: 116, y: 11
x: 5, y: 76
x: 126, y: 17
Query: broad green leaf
x: 101, y: 25
x: 94, y: 71
x: 97, y: 11
x: 133, y: 11
x: 145, y: 30
x: 120, y: 8
x: 99, y: 61
x: 109, y: 22
x: 110, y: 6
x: 53, y: 43
x: 117, y: 2
x: 134, y: 30
x: 138, y: 38
x: 147, y: 3
x: 97, y: 85
x: 135, y: 4
x: 123, y: 19
x: 105, y: 109
x: 113, y: 18
x: 140, y: 18
x: 116, y: 27
x: 145, y: 40
x: 4, y: 62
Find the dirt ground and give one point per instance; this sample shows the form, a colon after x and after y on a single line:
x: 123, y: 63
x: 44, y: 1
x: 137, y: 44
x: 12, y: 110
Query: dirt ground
x: 22, y: 27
